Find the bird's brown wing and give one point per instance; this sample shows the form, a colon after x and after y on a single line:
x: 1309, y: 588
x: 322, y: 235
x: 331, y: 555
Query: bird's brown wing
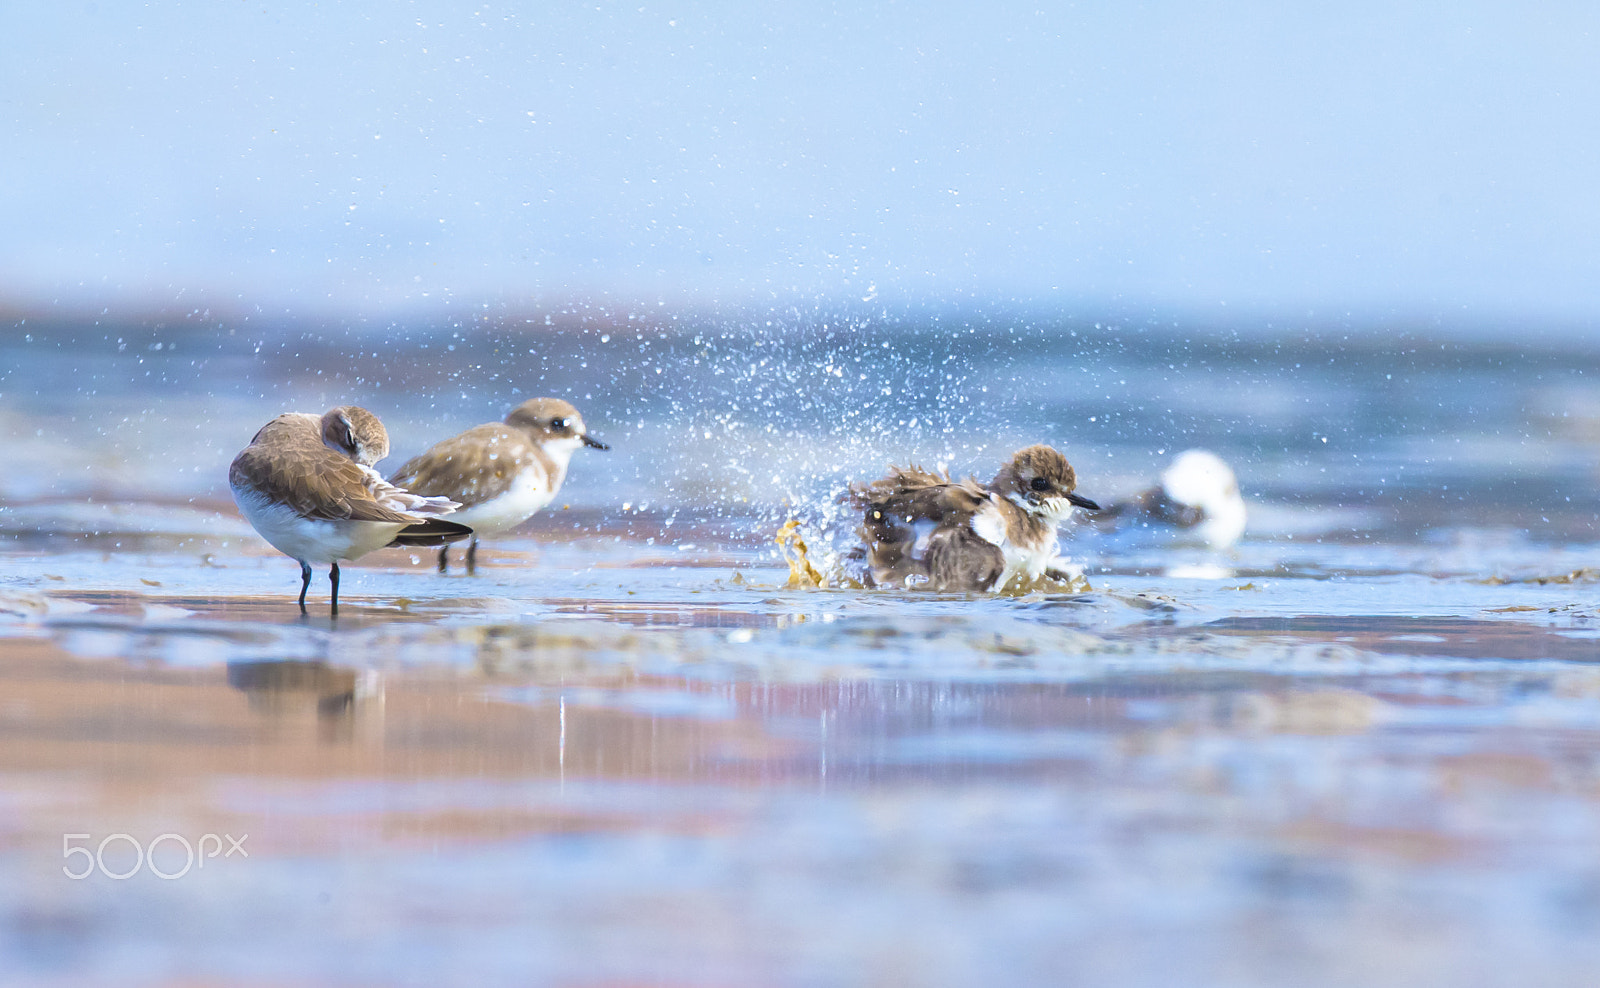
x: 958, y: 559
x: 478, y: 465
x: 1160, y: 507
x: 1152, y: 505
x: 907, y: 514
x: 313, y: 480
x: 899, y: 480
x: 944, y: 503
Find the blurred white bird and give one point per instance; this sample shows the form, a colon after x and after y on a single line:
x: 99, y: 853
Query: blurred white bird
x: 1198, y: 495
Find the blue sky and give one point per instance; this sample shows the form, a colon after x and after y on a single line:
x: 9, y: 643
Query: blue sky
x: 1433, y: 160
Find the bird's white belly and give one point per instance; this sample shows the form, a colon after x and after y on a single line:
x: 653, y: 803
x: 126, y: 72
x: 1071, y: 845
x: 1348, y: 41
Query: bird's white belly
x: 312, y: 540
x: 528, y: 494
x: 1029, y: 564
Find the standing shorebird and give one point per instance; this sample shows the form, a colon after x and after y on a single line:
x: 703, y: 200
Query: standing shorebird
x: 503, y: 473
x: 921, y: 529
x: 306, y: 484
x: 1197, y: 496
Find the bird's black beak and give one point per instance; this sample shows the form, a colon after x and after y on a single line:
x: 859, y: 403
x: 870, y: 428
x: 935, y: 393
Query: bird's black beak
x: 589, y: 440
x: 1082, y: 502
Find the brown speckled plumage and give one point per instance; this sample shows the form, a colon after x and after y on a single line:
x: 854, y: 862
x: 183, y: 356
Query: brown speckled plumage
x: 288, y: 462
x: 922, y: 529
x: 502, y: 473
x: 476, y: 466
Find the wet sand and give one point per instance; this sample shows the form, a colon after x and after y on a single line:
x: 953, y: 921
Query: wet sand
x: 599, y: 769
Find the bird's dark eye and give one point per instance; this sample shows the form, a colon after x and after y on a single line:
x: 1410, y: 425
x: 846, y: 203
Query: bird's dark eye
x: 558, y: 423
x: 1040, y: 484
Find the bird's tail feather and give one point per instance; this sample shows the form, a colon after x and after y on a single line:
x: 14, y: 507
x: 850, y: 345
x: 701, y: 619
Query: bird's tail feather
x: 433, y: 532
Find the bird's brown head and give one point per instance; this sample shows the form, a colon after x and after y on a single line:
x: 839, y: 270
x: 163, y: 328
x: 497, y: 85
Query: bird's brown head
x: 551, y: 419
x: 355, y: 432
x: 1041, y: 481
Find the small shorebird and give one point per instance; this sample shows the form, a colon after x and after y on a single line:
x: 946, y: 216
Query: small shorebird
x: 306, y: 484
x: 1198, y: 494
x: 503, y: 473
x: 923, y: 530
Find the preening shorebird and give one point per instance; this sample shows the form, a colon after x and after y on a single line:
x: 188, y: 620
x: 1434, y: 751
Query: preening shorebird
x: 306, y: 484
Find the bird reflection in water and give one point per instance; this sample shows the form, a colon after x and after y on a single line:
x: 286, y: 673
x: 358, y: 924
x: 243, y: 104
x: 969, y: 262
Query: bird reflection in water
x: 302, y: 692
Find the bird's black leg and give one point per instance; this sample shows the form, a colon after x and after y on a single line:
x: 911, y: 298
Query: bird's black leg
x: 305, y: 582
x: 444, y: 558
x: 333, y: 578
x: 472, y: 556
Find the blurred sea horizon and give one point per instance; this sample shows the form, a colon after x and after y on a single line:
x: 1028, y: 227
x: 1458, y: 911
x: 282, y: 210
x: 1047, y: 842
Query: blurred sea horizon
x: 754, y: 418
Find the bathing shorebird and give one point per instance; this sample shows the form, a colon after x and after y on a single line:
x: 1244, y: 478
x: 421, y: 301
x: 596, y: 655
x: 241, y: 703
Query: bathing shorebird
x: 503, y: 473
x: 922, y: 529
x: 306, y: 484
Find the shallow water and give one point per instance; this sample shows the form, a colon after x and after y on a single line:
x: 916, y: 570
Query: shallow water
x: 1362, y: 747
